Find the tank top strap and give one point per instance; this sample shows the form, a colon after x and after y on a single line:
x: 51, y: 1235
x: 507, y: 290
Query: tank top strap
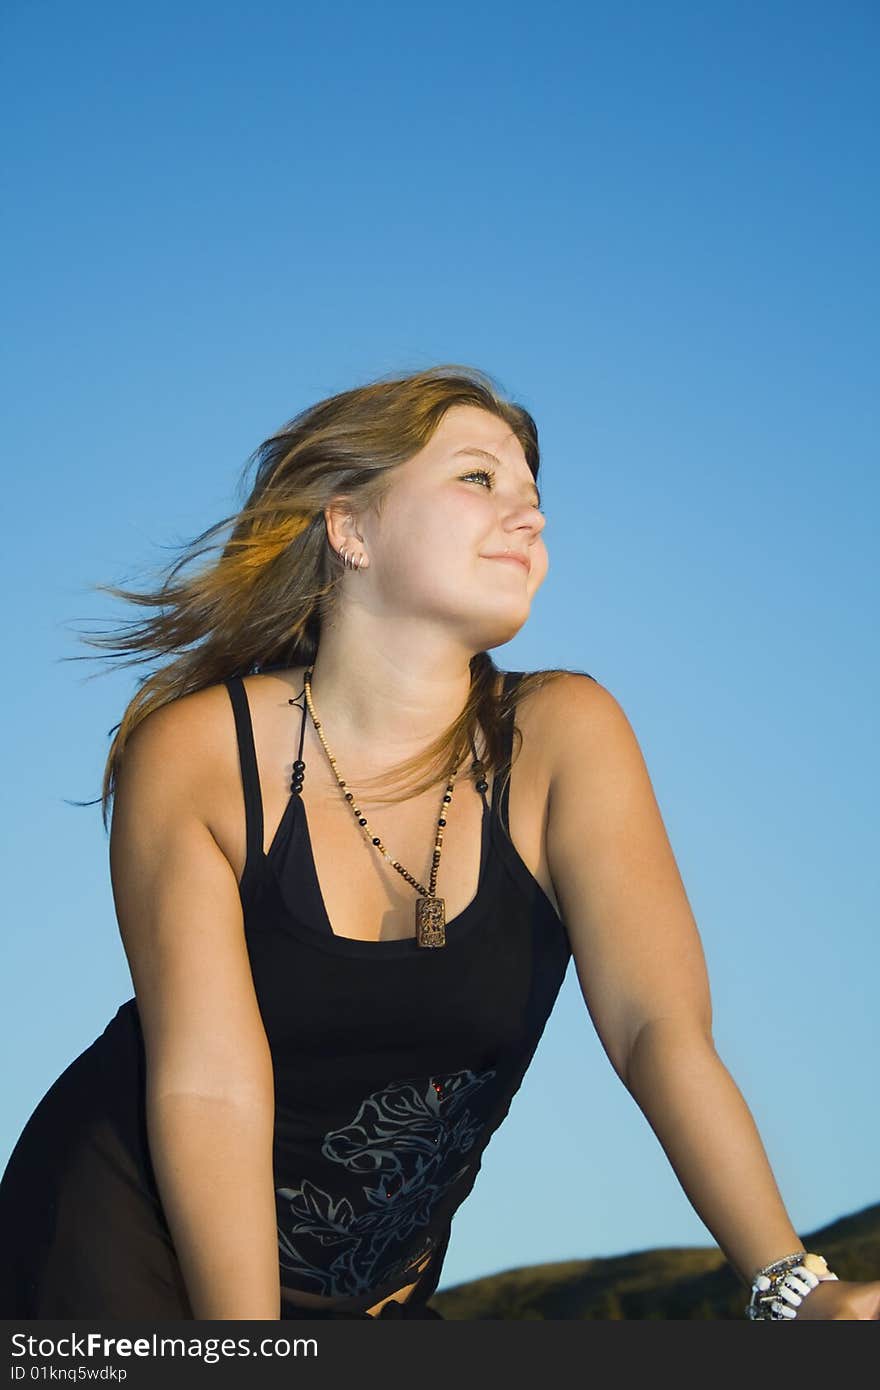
x: 250, y: 777
x: 501, y: 793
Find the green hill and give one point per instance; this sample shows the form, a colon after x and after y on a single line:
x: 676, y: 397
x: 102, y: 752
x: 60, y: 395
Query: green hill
x: 680, y: 1282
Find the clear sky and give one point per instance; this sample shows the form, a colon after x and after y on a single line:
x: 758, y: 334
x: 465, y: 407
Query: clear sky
x: 654, y: 225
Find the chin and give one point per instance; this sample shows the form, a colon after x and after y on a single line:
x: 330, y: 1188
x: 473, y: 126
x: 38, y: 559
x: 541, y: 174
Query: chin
x: 503, y: 630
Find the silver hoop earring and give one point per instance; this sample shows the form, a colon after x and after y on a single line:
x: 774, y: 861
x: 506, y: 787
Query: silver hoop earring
x: 349, y: 560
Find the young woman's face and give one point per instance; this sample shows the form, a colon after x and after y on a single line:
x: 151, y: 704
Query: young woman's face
x: 445, y: 519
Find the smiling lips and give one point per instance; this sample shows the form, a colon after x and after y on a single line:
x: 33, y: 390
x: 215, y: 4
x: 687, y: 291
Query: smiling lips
x: 516, y: 557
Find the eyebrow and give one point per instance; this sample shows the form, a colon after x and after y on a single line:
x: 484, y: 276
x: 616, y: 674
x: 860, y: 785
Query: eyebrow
x: 484, y: 454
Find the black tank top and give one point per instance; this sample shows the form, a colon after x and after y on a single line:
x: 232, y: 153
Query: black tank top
x: 394, y: 1064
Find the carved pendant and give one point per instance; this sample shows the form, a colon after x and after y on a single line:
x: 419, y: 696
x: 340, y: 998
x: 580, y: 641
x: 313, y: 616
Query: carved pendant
x: 430, y: 921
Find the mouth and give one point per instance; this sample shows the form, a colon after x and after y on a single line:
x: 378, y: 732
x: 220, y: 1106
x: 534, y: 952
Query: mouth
x: 512, y: 560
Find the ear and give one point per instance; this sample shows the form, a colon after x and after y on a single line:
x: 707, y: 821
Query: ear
x: 341, y: 522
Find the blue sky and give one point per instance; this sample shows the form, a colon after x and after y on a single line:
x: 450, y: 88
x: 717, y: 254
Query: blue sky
x: 654, y: 225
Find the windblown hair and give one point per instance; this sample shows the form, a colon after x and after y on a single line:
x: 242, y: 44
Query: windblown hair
x: 261, y: 603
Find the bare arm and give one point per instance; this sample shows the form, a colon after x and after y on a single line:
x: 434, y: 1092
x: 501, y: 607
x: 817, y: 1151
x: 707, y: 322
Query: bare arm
x: 707, y: 1132
x: 210, y: 1090
x: 643, y: 975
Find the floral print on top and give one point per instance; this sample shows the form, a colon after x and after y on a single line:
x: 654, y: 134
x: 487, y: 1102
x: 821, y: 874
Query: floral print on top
x: 408, y: 1140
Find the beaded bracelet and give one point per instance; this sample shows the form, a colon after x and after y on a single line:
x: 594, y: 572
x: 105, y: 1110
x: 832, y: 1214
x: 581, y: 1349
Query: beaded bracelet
x: 780, y: 1288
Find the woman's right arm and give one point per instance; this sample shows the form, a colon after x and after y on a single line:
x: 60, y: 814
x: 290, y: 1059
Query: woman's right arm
x: 210, y: 1100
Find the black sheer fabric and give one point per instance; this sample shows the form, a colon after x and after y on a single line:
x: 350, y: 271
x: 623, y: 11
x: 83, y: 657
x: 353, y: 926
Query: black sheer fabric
x: 82, y: 1231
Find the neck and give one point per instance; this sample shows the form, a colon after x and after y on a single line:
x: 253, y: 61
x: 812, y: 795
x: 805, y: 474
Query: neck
x: 390, y: 695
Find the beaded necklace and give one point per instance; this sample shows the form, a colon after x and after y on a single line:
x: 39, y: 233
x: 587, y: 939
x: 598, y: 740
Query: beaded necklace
x: 430, y: 909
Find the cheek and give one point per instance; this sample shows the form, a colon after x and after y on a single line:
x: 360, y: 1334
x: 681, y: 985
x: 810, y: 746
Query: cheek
x: 540, y: 564
x: 447, y: 528
x: 418, y: 545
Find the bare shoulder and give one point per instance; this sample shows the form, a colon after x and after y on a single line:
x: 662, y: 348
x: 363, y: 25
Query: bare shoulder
x: 633, y: 934
x: 180, y: 766
x: 179, y: 909
x: 597, y: 775
x: 182, y: 747
x: 570, y: 690
x: 572, y: 707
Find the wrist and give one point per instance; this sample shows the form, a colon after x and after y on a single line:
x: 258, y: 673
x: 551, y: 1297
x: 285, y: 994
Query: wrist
x: 780, y: 1288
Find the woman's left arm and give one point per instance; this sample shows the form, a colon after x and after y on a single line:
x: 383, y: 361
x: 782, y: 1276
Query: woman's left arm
x: 642, y: 973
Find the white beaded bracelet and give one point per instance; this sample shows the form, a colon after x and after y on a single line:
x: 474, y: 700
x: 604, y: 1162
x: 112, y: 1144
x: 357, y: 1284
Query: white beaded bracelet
x: 780, y: 1288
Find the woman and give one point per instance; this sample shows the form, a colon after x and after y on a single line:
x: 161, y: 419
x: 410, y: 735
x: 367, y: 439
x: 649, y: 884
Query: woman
x: 338, y: 992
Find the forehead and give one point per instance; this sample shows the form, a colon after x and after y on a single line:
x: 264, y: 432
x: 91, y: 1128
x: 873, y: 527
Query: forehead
x: 469, y: 424
x: 470, y: 432
x: 466, y: 430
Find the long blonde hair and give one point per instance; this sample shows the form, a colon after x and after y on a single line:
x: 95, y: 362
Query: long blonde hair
x: 262, y: 602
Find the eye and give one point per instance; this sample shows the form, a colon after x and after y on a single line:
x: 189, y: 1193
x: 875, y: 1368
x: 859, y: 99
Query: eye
x: 480, y: 473
x: 489, y: 473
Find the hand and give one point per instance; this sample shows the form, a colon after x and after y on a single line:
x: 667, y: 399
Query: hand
x: 842, y: 1299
